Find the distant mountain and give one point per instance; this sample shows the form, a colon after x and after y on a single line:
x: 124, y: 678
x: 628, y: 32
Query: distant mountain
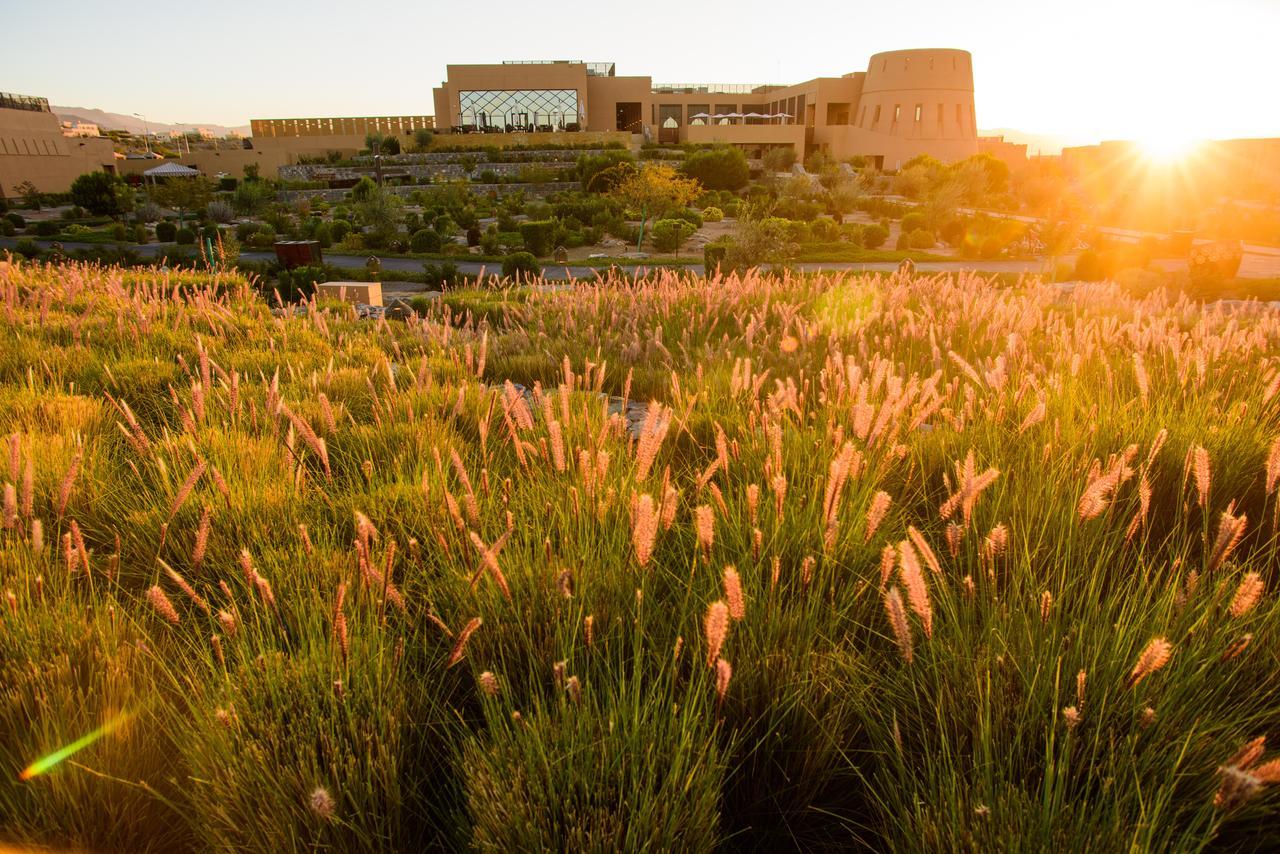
x: 133, y: 124
x: 1038, y: 143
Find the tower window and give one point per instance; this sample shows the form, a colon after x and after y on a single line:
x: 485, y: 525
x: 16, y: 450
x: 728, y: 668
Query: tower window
x: 876, y: 119
x: 919, y: 112
x: 897, y: 112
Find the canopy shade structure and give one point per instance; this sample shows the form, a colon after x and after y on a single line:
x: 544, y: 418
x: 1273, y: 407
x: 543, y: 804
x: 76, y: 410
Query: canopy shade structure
x: 700, y: 116
x: 172, y: 170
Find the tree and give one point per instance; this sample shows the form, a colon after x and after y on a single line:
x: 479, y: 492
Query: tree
x: 655, y: 189
x: 719, y: 168
x: 183, y: 194
x: 380, y: 212
x: 780, y: 159
x: 996, y: 170
x: 31, y: 196
x: 251, y: 197
x: 102, y: 194
x: 844, y: 196
x: 590, y: 165
x: 422, y: 138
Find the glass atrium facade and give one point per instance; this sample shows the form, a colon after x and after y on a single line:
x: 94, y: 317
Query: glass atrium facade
x: 519, y: 109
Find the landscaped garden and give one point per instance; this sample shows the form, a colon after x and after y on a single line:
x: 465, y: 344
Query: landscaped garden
x: 748, y: 561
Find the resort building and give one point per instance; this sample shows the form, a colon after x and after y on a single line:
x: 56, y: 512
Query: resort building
x: 907, y: 102
x: 33, y: 148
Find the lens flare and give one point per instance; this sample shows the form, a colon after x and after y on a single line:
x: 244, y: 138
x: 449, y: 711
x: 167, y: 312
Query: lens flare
x: 46, y: 762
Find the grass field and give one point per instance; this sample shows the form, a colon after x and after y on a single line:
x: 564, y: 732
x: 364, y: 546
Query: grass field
x: 891, y: 563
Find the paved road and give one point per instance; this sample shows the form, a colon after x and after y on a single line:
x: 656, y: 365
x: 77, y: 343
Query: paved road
x: 1264, y: 263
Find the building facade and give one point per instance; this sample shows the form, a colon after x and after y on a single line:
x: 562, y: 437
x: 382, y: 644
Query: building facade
x: 907, y: 102
x: 33, y: 148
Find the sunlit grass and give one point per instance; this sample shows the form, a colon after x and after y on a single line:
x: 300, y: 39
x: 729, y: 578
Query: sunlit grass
x: 907, y: 563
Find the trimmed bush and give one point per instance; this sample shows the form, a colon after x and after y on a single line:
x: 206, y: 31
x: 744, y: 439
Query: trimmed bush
x: 165, y: 231
x: 921, y: 238
x: 520, y: 264
x: 874, y: 236
x: 720, y: 168
x: 538, y: 236
x: 712, y: 214
x: 47, y: 228
x: 339, y: 229
x: 913, y: 221
x: 713, y: 256
x: 16, y: 219
x: 184, y: 237
x: 668, y: 234
x: 425, y: 240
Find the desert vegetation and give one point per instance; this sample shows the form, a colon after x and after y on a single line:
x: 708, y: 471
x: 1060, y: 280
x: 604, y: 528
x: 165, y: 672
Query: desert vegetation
x: 827, y: 561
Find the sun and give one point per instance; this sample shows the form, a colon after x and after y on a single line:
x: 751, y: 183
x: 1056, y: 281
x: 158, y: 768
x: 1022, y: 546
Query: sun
x: 1168, y: 146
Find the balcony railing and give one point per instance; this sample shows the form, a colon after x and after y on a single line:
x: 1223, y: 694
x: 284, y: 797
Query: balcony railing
x: 713, y: 88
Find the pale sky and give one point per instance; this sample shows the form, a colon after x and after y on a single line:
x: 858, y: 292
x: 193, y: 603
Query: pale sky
x: 1084, y: 69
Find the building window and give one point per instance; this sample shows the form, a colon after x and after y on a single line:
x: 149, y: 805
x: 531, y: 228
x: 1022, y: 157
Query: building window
x: 876, y: 119
x: 919, y: 112
x: 519, y: 109
x: 862, y: 118
x: 670, y: 115
x: 701, y: 109
x: 897, y: 113
x: 959, y: 118
x: 941, y: 114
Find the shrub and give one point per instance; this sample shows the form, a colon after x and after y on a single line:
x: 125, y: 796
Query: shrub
x: 538, y: 236
x: 47, y: 228
x: 101, y: 193
x: 16, y: 219
x: 473, y: 235
x: 712, y: 214
x: 668, y: 234
x: 444, y: 275
x: 165, y: 231
x: 184, y: 237
x: 824, y: 230
x: 323, y: 234
x: 921, y: 238
x: 339, y: 229
x: 694, y: 218
x: 7, y: 229
x: 28, y: 248
x: 520, y: 265
x: 874, y: 235
x: 913, y: 222
x: 120, y: 231
x: 139, y: 233
x: 425, y: 240
x: 719, y: 168
x: 590, y: 165
x: 220, y: 211
x: 713, y: 255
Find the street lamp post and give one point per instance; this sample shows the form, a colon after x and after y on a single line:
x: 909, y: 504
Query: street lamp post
x: 146, y: 129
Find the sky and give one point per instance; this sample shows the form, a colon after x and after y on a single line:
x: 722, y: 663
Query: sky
x: 1085, y: 70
